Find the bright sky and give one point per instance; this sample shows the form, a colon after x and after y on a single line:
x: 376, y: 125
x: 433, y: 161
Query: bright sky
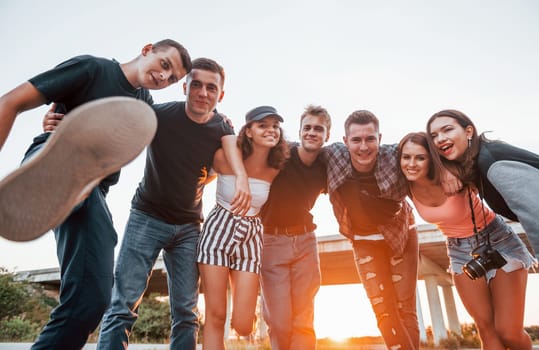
x: 403, y: 61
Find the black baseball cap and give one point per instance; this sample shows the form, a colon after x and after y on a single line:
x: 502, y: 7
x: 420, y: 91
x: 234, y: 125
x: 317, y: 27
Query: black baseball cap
x: 262, y: 112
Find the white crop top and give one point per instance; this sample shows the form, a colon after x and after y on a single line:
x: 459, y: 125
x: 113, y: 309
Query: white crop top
x: 226, y: 187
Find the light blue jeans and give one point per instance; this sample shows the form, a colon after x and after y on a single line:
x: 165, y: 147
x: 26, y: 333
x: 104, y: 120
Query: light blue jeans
x: 143, y: 240
x: 290, y: 279
x: 501, y: 237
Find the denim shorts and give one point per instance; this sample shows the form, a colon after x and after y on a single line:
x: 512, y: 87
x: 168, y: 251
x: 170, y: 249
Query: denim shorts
x: 502, y: 238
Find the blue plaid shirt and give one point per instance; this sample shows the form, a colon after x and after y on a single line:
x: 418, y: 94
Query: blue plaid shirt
x: 392, y: 185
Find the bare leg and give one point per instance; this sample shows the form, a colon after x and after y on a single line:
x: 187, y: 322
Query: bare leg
x: 215, y: 281
x: 475, y: 295
x: 245, y: 293
x: 508, y: 296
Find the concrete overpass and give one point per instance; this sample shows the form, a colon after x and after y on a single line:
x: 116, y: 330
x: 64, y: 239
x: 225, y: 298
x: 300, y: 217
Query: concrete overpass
x: 337, y: 267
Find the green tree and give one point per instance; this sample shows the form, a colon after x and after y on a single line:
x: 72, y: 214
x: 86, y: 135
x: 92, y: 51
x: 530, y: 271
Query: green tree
x: 24, y: 308
x: 18, y: 329
x: 153, y: 324
x: 533, y: 331
x: 470, y: 336
x: 12, y: 295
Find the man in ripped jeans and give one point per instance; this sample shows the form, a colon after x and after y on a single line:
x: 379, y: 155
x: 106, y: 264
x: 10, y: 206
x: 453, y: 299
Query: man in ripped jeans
x: 368, y: 193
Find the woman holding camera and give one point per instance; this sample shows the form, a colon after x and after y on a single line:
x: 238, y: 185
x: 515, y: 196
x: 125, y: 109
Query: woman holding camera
x: 488, y: 260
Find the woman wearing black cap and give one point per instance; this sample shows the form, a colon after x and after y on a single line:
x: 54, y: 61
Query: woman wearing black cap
x: 230, y: 244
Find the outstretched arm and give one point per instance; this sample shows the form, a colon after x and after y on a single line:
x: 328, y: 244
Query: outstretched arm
x: 24, y: 97
x: 242, y: 197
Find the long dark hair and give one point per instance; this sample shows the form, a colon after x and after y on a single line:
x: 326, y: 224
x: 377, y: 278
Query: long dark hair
x: 420, y: 138
x: 465, y: 169
x: 277, y: 155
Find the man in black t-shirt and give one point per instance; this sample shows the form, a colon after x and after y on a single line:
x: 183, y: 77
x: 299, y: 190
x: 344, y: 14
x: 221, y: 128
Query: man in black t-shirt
x: 86, y: 238
x: 166, y: 209
x: 290, y: 271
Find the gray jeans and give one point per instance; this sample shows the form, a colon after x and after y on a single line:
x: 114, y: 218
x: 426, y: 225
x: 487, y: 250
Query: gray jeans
x: 290, y: 279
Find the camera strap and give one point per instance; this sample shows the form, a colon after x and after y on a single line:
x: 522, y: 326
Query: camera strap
x: 470, y: 201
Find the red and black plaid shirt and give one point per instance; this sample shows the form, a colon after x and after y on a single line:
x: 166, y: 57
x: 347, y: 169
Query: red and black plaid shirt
x: 392, y: 185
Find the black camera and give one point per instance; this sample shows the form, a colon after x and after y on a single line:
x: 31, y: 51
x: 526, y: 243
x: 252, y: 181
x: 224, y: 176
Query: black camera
x: 485, y: 258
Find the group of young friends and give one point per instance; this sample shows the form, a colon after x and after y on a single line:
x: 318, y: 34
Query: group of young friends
x: 261, y: 231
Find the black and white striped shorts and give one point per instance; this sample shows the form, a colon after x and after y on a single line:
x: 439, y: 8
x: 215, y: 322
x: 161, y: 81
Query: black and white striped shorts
x: 231, y: 241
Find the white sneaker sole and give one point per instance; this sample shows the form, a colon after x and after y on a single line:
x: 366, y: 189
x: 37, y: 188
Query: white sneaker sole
x: 94, y: 140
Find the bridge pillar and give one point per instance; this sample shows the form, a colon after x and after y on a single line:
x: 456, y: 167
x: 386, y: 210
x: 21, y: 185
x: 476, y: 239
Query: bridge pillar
x: 451, y: 310
x: 420, y: 320
x: 435, y: 306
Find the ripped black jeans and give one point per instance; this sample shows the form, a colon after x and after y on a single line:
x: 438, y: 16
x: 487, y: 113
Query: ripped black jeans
x: 390, y: 283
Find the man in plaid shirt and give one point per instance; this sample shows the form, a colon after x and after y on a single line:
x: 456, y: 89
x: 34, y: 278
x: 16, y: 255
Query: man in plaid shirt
x: 367, y: 191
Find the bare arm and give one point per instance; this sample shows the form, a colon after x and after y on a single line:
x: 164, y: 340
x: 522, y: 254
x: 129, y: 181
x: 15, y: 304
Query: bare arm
x: 450, y: 183
x: 24, y: 97
x: 242, y: 197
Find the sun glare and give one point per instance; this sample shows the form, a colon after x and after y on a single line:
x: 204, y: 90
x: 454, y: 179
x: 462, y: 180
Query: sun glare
x: 341, y: 339
x: 343, y: 311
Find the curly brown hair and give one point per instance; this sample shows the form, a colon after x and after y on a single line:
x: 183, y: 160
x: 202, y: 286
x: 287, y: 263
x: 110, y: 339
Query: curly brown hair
x: 278, y: 153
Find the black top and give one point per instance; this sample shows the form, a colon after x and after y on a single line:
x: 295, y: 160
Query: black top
x: 86, y: 78
x: 177, y: 165
x: 294, y: 191
x: 83, y: 79
x: 367, y: 210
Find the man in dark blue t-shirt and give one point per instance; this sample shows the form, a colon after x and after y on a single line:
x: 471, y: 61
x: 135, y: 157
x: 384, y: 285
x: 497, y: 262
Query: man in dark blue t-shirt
x: 87, y: 140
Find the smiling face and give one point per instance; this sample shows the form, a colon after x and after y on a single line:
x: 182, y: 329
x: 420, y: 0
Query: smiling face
x: 159, y: 68
x: 265, y: 132
x: 314, y: 133
x: 363, y: 143
x: 414, y: 161
x: 203, y: 89
x: 449, y: 137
